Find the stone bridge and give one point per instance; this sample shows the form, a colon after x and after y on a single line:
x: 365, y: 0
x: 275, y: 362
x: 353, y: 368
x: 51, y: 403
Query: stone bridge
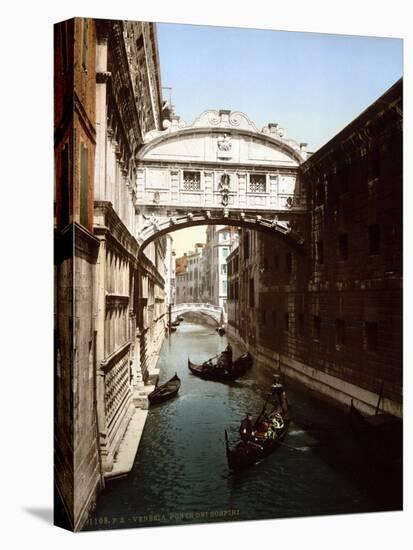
x: 221, y: 170
x: 215, y: 312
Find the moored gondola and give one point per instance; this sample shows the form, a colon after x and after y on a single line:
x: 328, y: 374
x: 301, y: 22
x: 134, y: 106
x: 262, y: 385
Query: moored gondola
x: 165, y: 391
x: 221, y: 370
x: 266, y: 435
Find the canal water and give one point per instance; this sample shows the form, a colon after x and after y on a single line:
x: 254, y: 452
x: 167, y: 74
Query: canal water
x: 180, y: 474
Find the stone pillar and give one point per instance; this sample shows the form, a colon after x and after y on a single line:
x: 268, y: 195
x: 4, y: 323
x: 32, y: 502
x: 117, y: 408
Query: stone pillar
x: 100, y: 348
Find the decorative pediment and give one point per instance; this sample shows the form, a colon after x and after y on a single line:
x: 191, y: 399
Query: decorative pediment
x: 225, y: 119
x: 231, y: 123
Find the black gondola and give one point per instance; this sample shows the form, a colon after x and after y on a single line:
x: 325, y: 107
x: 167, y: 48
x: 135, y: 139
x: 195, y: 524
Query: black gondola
x: 219, y: 371
x: 380, y: 435
x: 165, y: 391
x: 251, y: 450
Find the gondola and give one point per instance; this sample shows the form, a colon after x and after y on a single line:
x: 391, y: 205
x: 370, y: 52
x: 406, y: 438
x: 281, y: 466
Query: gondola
x: 165, y: 391
x: 249, y: 451
x: 219, y: 371
x: 380, y: 435
x: 175, y: 323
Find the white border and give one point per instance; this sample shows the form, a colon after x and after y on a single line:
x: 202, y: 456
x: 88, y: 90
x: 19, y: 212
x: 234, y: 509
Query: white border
x: 27, y: 174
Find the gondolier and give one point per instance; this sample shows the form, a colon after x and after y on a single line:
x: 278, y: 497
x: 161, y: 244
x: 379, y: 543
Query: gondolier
x: 219, y: 371
x: 270, y: 430
x: 246, y: 429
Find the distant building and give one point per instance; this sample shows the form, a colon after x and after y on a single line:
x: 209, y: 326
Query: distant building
x: 181, y: 280
x: 189, y: 276
x: 220, y: 240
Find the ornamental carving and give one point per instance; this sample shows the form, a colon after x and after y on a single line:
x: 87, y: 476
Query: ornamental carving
x: 224, y: 188
x: 224, y: 143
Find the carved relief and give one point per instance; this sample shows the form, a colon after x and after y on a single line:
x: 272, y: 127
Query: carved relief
x: 224, y: 188
x: 224, y: 147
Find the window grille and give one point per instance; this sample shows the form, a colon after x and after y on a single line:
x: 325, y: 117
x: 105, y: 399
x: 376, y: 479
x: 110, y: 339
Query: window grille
x: 192, y: 181
x: 370, y: 336
x: 257, y: 183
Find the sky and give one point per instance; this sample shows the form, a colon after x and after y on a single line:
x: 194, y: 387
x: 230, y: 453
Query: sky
x: 311, y: 84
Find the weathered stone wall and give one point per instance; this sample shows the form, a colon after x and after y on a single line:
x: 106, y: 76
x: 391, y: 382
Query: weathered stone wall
x: 77, y: 469
x: 101, y: 110
x: 331, y: 316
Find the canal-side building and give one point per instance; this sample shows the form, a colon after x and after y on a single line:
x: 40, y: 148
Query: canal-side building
x: 332, y: 315
x: 110, y: 305
x: 131, y: 296
x: 76, y: 251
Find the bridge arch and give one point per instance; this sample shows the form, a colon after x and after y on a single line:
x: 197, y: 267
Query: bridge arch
x: 208, y: 310
x: 291, y: 232
x: 220, y: 170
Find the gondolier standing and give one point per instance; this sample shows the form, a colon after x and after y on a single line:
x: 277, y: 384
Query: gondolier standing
x: 246, y: 429
x: 228, y: 357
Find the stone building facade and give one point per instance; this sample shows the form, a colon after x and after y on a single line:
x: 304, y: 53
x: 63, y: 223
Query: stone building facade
x: 76, y: 251
x: 331, y: 315
x: 107, y: 96
x: 181, y: 279
x: 220, y: 240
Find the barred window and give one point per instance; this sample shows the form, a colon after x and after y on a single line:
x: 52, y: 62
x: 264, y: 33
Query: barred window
x: 288, y: 262
x: 340, y: 333
x: 370, y: 336
x: 374, y: 239
x: 258, y: 183
x: 301, y: 324
x: 316, y: 328
x: 343, y: 246
x: 192, y: 181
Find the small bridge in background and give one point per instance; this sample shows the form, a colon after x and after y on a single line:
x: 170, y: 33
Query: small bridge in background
x: 217, y: 313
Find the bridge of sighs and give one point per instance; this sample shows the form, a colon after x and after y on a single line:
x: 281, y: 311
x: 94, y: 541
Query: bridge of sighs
x: 220, y: 170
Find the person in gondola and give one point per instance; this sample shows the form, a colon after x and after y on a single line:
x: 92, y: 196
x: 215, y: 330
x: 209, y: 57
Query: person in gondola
x: 246, y: 429
x: 276, y: 387
x: 228, y: 358
x: 263, y: 427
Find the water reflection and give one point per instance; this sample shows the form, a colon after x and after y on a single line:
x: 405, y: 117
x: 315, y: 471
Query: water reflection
x: 180, y: 473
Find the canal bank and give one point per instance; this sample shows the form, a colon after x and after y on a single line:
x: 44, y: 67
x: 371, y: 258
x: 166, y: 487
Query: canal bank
x: 180, y: 474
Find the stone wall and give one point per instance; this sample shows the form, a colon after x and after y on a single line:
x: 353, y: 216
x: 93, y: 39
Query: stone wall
x: 331, y: 315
